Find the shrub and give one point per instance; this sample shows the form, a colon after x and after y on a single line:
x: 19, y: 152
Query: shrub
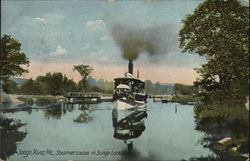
x: 215, y: 111
x: 4, y: 99
x: 44, y: 100
x: 27, y: 100
x: 185, y: 99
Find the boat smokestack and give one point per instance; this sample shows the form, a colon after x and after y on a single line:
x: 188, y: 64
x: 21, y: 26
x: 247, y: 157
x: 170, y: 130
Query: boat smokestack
x: 130, y: 66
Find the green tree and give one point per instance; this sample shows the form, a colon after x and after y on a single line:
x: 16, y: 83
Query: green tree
x: 157, y: 88
x: 10, y: 86
x: 69, y: 85
x: 149, y: 86
x: 185, y: 89
x: 40, y: 88
x: 84, y: 71
x: 56, y: 84
x: 47, y: 80
x: 12, y: 58
x: 28, y: 87
x: 219, y: 31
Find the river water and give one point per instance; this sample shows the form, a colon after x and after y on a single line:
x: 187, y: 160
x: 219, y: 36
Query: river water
x: 52, y: 134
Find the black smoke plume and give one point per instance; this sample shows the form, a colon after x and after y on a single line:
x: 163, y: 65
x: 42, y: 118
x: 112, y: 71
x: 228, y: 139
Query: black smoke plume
x: 153, y: 41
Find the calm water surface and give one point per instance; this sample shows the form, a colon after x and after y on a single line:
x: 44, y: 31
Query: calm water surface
x: 169, y: 135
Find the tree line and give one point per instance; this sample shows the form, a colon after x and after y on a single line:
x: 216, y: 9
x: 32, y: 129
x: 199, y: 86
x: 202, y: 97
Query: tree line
x: 57, y: 84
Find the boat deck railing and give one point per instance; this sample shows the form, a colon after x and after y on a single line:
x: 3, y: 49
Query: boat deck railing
x: 81, y: 95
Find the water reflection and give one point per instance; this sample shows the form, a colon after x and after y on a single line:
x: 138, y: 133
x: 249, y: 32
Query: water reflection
x: 83, y: 107
x: 83, y: 118
x: 9, y: 131
x: 13, y: 110
x: 218, y: 129
x: 56, y: 112
x: 129, y: 127
x: 137, y: 155
x: 149, y: 144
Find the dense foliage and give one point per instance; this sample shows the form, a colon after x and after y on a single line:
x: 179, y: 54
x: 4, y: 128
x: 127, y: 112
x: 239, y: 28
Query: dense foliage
x: 158, y: 88
x: 184, y: 99
x: 9, y: 86
x: 84, y: 71
x: 57, y: 84
x: 219, y: 31
x: 12, y: 58
x: 185, y: 89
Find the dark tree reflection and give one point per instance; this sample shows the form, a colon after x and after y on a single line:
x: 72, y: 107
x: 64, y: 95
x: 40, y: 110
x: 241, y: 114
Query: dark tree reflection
x: 56, y: 112
x: 14, y: 110
x: 85, y: 116
x: 10, y: 136
x: 83, y: 107
x: 218, y: 129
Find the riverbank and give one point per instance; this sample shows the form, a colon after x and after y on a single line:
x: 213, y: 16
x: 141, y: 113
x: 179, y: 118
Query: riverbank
x: 228, y: 127
x: 185, y: 99
x: 42, y: 101
x: 14, y: 101
x: 182, y: 99
x: 4, y: 100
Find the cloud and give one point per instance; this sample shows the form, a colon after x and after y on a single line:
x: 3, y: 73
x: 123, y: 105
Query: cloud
x: 59, y: 51
x: 150, y: 1
x: 97, y: 25
x: 41, y: 19
x: 101, y: 57
x: 99, y: 52
x: 86, y: 46
x: 54, y: 18
x: 104, y: 59
x: 50, y: 18
x: 104, y: 38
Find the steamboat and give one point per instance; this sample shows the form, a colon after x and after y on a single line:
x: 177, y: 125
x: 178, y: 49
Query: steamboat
x: 129, y: 92
x: 129, y: 110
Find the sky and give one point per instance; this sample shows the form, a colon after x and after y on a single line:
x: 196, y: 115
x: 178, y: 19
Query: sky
x: 56, y: 35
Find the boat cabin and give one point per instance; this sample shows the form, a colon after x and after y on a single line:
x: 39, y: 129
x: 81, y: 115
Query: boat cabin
x: 130, y: 84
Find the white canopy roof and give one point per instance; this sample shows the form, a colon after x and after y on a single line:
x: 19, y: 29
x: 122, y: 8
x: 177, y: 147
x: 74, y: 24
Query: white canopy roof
x: 123, y: 86
x: 128, y: 75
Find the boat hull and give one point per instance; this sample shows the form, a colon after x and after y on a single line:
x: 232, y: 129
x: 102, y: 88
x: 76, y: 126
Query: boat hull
x: 128, y: 105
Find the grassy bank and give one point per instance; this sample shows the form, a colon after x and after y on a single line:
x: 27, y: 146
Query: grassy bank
x: 4, y: 99
x: 221, y: 120
x: 39, y: 100
x: 46, y: 100
x: 106, y: 94
x: 217, y: 111
x: 27, y: 100
x: 184, y: 99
